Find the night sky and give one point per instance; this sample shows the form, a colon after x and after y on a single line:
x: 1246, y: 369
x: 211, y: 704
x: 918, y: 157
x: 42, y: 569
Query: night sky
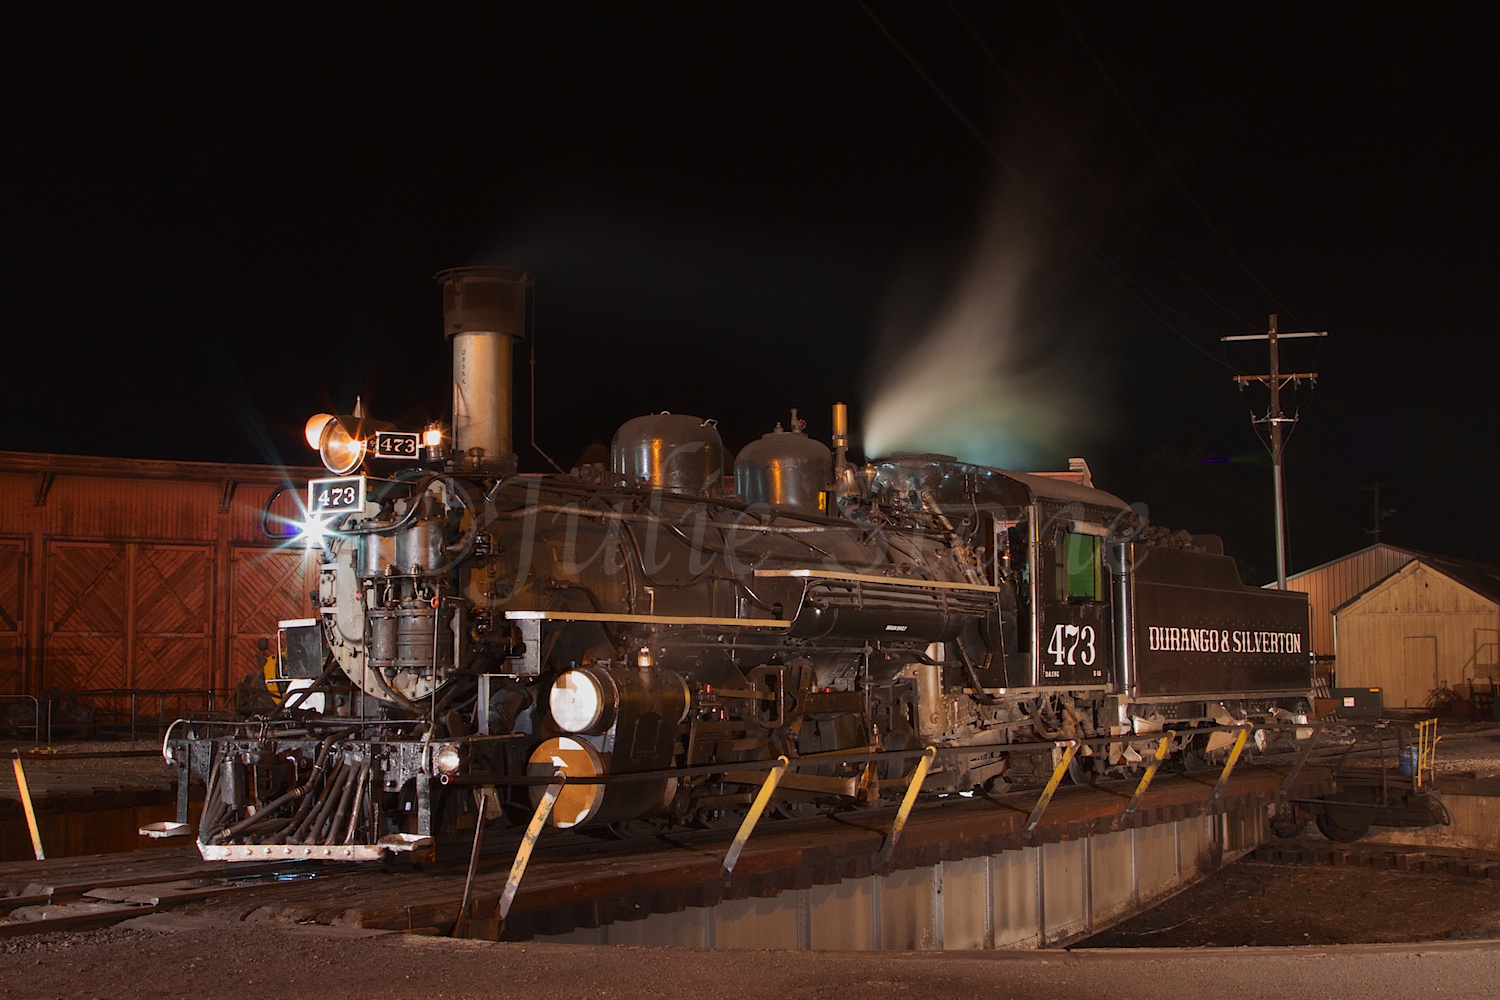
x: 1013, y: 232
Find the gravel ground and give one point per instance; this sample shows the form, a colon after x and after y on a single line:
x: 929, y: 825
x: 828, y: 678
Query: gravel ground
x: 108, y: 771
x: 1255, y: 904
x: 165, y: 957
x: 1469, y: 748
x: 1229, y: 920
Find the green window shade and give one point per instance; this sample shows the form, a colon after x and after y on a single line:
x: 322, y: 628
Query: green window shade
x: 1078, y: 566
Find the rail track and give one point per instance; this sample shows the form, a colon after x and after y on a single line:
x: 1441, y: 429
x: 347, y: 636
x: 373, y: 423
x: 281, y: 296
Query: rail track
x: 1382, y: 857
x: 73, y: 902
x: 576, y: 880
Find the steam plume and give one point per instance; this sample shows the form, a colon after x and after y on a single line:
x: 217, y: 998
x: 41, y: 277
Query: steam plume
x: 1000, y: 374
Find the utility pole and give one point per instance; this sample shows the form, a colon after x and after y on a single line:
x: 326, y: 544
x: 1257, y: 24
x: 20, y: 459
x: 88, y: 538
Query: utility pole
x: 1276, y: 380
x: 1381, y: 513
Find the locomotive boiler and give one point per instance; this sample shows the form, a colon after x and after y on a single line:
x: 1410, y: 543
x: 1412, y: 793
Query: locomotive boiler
x: 657, y: 626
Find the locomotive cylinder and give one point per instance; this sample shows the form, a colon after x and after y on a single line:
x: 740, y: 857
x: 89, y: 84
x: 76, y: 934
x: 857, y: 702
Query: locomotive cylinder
x: 618, y: 720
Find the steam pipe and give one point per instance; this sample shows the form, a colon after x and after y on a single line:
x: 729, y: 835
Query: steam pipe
x: 331, y: 799
x: 362, y: 786
x: 318, y: 815
x: 213, y: 809
x: 336, y: 820
x: 267, y: 811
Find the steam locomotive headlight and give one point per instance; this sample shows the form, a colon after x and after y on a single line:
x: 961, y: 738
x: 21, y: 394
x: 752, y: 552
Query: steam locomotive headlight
x: 341, y: 441
x: 447, y: 759
x: 581, y: 701
x: 316, y: 424
x: 340, y: 450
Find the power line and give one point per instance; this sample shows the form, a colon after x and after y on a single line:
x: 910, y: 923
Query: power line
x: 1105, y: 263
x: 1166, y: 164
x: 1276, y: 380
x: 1078, y: 162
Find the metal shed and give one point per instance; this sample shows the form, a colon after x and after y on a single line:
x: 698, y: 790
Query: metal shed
x: 1331, y: 584
x: 133, y: 576
x: 1433, y: 624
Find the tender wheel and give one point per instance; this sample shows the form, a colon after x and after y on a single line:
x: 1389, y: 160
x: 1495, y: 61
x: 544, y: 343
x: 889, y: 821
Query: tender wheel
x: 1082, y: 773
x: 1346, y: 817
x: 1287, y: 827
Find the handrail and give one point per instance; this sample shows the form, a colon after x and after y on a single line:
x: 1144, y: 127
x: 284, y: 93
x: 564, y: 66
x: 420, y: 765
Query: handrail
x: 135, y: 695
x: 36, y: 708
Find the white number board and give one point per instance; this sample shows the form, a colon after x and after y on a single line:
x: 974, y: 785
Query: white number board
x: 395, y: 444
x: 344, y: 493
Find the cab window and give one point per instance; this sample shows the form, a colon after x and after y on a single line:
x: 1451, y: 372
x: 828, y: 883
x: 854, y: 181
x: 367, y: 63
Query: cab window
x: 1079, y: 567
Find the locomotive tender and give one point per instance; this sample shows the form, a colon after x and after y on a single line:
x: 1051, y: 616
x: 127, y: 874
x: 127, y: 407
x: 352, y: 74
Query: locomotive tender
x: 658, y: 636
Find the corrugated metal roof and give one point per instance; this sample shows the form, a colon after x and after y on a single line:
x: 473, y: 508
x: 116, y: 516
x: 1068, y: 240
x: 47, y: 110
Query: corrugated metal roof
x: 1331, y: 584
x: 1483, y: 581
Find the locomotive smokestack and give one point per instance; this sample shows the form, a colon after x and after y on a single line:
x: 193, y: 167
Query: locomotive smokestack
x: 484, y: 309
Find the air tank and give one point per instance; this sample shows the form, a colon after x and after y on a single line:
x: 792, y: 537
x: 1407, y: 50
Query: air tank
x: 669, y: 451
x: 785, y: 469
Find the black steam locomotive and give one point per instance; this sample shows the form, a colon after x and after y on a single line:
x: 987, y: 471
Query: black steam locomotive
x: 657, y: 635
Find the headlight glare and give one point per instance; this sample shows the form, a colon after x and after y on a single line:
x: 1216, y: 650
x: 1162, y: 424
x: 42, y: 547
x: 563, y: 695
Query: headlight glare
x: 340, y: 450
x: 578, y: 701
x: 447, y: 759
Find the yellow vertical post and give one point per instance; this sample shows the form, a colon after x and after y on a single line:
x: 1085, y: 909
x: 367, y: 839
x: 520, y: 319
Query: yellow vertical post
x: 1052, y: 783
x: 523, y: 856
x: 762, y: 798
x: 1161, y: 755
x: 36, y: 833
x: 1427, y: 741
x: 1234, y: 757
x: 918, y: 775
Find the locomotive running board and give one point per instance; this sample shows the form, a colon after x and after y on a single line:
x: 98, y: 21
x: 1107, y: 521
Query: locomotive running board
x: 894, y: 581
x: 530, y: 624
x: 600, y: 616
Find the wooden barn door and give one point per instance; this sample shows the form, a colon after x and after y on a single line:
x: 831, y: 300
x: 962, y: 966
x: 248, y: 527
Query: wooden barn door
x: 127, y: 616
x: 172, y: 617
x: 1419, y: 660
x: 88, y: 606
x: 12, y: 616
x: 265, y: 586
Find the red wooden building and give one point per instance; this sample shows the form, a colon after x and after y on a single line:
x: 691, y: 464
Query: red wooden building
x: 129, y: 575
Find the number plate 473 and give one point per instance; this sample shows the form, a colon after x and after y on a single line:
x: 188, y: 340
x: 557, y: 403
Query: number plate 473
x: 1072, y: 644
x: 340, y: 494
